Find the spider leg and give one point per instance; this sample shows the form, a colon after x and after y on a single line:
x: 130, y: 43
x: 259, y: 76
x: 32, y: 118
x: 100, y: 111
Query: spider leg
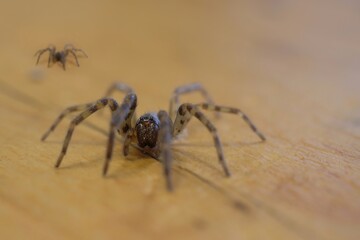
x: 71, y: 47
x: 121, y: 121
x: 82, y: 116
x: 236, y: 111
x: 63, y: 59
x: 42, y: 51
x: 80, y: 50
x: 68, y: 46
x: 184, y: 114
x: 165, y: 139
x: 117, y: 86
x: 73, y: 53
x: 64, y: 113
x: 124, y: 88
x: 51, y: 57
x: 127, y: 141
x: 174, y: 100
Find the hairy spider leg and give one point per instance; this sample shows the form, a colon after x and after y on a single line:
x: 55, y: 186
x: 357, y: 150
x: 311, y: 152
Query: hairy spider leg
x: 63, y: 58
x: 174, y: 100
x: 123, y: 88
x: 236, y: 111
x: 51, y: 57
x: 80, y: 50
x: 164, y: 142
x: 118, y: 86
x: 82, y: 116
x: 66, y: 52
x: 64, y: 113
x: 71, y: 47
x: 185, y: 112
x: 41, y: 51
x: 120, y: 121
x: 129, y: 137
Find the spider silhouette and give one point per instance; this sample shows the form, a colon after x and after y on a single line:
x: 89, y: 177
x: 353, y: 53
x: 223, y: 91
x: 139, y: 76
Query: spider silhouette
x: 60, y: 56
x: 152, y: 132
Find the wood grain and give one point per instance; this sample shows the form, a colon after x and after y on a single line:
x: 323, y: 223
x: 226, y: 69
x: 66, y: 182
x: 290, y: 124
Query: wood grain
x: 293, y: 67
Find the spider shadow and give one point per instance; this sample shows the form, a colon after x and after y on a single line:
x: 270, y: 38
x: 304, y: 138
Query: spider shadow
x: 98, y: 158
x: 81, y: 165
x: 209, y: 144
x: 136, y: 157
x: 187, y: 157
x: 179, y: 149
x: 79, y: 142
x: 136, y: 154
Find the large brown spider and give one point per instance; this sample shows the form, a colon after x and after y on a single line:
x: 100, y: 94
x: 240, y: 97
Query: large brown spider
x: 153, y: 132
x: 60, y: 56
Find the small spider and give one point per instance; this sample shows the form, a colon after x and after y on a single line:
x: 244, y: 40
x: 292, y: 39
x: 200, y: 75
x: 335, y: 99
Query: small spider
x: 60, y: 56
x: 152, y: 132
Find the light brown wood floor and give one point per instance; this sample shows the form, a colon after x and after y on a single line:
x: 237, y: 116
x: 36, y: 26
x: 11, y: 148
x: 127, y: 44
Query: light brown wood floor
x: 292, y: 66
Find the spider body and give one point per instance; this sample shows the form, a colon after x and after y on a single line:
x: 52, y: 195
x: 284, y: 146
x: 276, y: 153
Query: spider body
x: 60, y: 56
x: 147, y: 130
x: 152, y: 132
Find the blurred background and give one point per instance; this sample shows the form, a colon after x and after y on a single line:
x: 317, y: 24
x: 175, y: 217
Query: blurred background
x: 292, y: 66
x: 293, y: 44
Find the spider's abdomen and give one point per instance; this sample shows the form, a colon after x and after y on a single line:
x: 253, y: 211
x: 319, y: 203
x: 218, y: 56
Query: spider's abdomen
x: 147, y: 128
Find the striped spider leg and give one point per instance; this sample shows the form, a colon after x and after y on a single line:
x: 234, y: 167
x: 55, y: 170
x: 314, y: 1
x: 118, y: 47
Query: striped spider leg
x: 69, y: 48
x: 123, y: 88
x: 121, y: 121
x: 63, y: 114
x: 164, y: 143
x: 118, y: 86
x: 189, y: 88
x: 52, y: 51
x: 186, y: 111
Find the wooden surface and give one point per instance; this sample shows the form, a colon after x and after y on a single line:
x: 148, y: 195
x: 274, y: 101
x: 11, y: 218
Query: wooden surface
x: 292, y: 66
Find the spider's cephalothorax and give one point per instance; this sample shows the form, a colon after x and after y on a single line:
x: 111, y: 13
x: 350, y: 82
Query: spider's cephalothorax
x: 147, y: 130
x: 153, y: 132
x: 60, y: 56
